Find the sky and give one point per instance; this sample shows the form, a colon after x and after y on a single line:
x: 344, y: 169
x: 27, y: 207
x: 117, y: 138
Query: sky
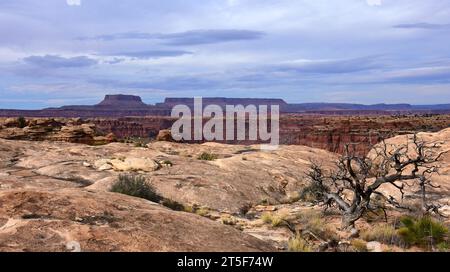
x: 73, y: 52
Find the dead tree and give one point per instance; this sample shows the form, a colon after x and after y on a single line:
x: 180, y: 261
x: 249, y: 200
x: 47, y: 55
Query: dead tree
x: 356, y: 180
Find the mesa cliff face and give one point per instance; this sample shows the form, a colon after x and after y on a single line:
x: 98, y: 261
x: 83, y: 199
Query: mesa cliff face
x: 331, y: 133
x: 122, y: 101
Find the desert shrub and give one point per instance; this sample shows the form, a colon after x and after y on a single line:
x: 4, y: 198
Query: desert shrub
x: 359, y: 245
x: 228, y: 220
x: 443, y: 247
x: 422, y: 231
x: 173, y: 205
x: 311, y: 193
x: 245, y: 208
x: 136, y: 186
x: 385, y: 234
x: 205, y: 156
x: 22, y: 122
x: 298, y: 244
x: 140, y: 144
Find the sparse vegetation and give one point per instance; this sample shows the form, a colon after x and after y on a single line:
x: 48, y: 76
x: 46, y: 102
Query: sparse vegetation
x: 205, y: 156
x: 136, y: 141
x: 313, y: 221
x: 266, y: 218
x: 274, y: 220
x: 384, y: 233
x: 134, y: 185
x: 359, y: 245
x: 140, y: 144
x: 443, y: 247
x: 423, y: 232
x: 173, y: 205
x: 202, y: 212
x: 228, y: 220
x: 244, y: 209
x: 293, y: 198
x: 311, y: 193
x: 22, y: 122
x: 189, y: 209
x: 298, y: 244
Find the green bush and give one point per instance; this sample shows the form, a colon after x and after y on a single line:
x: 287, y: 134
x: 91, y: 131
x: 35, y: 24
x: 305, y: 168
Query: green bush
x: 311, y: 193
x: 443, y: 247
x: 136, y: 186
x: 22, y: 122
x: 423, y: 231
x: 205, y: 156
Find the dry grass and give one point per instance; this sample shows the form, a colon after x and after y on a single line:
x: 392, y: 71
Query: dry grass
x: 202, y: 212
x: 274, y: 220
x: 228, y: 220
x: 298, y: 244
x: 359, y: 245
x: 314, y: 222
x: 384, y: 233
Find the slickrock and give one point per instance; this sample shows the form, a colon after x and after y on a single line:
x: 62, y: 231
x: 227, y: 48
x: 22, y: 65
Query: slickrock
x: 63, y: 220
x: 55, y: 195
x: 241, y: 174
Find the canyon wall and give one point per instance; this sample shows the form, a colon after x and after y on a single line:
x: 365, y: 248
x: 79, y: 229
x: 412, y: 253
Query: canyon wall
x: 331, y: 133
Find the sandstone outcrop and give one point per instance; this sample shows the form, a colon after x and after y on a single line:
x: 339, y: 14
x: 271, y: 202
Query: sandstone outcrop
x: 128, y: 164
x: 164, y: 135
x: 67, y: 130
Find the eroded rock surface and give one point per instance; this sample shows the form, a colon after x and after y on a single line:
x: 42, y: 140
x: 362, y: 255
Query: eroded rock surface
x: 55, y: 195
x: 62, y: 220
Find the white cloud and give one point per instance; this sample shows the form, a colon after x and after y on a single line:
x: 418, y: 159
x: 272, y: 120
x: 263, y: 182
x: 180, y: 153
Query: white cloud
x: 374, y: 2
x: 73, y: 2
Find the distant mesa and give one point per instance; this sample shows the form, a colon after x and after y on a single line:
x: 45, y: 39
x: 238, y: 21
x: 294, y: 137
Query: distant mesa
x: 121, y: 100
x: 119, y: 105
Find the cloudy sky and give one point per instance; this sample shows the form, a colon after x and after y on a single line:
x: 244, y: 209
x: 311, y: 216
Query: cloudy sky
x: 58, y: 52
